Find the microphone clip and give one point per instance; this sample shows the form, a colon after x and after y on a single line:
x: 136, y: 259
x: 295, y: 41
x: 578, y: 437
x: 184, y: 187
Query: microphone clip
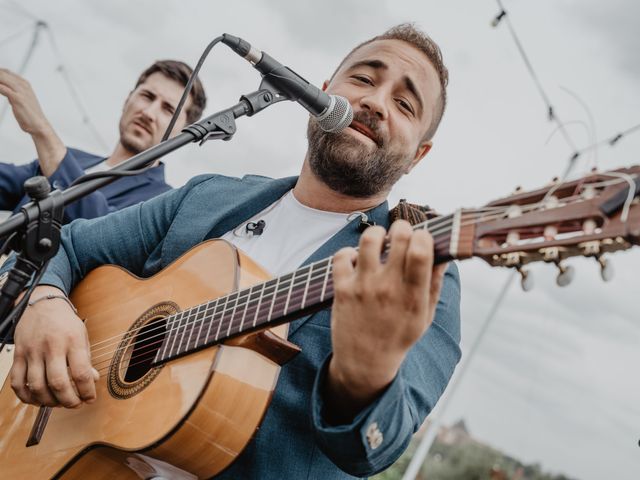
x: 256, y: 228
x: 364, y: 221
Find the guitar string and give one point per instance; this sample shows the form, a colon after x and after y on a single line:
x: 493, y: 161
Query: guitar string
x: 193, y: 323
x: 319, y: 273
x: 196, y: 309
x: 421, y: 225
x: 196, y: 322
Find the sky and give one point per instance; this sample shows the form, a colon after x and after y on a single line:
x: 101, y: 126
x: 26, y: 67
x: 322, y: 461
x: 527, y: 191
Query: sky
x: 555, y: 380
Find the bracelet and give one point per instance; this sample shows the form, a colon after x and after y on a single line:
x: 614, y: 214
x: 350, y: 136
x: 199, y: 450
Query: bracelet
x: 51, y: 296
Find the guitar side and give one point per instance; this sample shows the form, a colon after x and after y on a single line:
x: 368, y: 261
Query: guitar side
x: 190, y: 421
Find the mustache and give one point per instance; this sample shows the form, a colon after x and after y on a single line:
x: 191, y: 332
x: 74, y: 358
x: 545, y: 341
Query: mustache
x: 371, y: 121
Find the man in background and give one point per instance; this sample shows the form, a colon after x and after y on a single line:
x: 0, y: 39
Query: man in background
x: 146, y: 114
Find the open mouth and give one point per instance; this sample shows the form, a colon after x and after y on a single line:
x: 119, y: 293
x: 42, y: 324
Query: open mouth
x: 366, y: 131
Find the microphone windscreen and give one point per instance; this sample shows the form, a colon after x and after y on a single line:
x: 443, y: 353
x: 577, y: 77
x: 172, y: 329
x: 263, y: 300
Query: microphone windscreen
x: 338, y: 115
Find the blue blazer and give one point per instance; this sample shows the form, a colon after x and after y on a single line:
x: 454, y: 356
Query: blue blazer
x: 121, y: 193
x: 294, y: 440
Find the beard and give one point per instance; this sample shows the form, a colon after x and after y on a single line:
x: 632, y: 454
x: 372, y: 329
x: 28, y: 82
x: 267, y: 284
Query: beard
x: 348, y: 166
x: 131, y: 142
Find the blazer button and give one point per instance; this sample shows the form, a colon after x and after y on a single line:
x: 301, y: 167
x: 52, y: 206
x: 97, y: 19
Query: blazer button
x: 57, y: 184
x: 374, y: 436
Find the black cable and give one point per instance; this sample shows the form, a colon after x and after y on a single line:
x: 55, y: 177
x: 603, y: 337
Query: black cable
x: 174, y: 118
x: 12, y: 319
x: 187, y: 88
x: 6, y: 243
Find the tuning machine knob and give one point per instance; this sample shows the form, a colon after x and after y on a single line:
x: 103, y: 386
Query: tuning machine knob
x: 606, y: 269
x: 526, y: 279
x: 566, y: 273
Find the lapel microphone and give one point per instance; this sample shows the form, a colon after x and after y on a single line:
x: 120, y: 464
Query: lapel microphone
x: 256, y: 228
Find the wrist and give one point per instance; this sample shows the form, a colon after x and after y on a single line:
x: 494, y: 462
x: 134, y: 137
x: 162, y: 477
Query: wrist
x: 362, y: 381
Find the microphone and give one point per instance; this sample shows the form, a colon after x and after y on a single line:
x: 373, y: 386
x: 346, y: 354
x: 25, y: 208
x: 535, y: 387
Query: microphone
x: 332, y: 112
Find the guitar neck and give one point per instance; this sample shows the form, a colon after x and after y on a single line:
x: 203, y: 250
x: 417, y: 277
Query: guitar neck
x: 279, y: 300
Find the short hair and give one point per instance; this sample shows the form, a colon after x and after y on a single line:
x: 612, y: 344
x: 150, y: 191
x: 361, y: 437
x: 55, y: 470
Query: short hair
x: 407, y: 32
x: 180, y: 72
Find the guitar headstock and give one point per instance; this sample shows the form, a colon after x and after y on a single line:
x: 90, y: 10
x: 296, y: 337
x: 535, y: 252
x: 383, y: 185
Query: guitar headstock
x: 590, y: 216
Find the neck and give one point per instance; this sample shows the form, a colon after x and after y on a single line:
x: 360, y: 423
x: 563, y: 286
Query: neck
x: 120, y: 154
x: 314, y: 193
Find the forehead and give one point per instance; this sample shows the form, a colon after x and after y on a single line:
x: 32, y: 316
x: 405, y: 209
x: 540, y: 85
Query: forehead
x: 402, y: 58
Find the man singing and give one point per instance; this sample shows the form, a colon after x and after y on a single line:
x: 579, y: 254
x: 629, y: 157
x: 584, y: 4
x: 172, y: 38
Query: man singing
x: 373, y: 365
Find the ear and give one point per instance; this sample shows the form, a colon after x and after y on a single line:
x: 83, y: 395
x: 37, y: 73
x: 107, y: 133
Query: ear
x: 422, y: 150
x: 126, y: 100
x: 325, y: 84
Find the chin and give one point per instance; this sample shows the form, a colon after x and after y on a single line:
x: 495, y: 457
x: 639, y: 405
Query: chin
x: 134, y: 144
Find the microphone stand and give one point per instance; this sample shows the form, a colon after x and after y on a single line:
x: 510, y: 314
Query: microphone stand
x: 34, y: 232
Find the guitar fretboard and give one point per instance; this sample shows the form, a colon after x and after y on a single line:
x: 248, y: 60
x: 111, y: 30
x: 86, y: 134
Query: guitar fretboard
x: 279, y: 300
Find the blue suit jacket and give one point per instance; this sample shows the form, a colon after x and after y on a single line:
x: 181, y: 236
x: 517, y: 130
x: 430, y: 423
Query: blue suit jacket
x: 121, y: 193
x: 294, y: 441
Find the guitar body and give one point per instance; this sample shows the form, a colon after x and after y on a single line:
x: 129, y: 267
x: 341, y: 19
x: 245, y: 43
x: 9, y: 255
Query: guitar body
x: 189, y: 418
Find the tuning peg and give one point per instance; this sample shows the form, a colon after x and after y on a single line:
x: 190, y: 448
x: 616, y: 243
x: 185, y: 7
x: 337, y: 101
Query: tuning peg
x: 526, y: 280
x: 606, y: 269
x: 565, y: 275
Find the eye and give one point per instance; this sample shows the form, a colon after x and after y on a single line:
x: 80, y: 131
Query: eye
x: 363, y: 79
x: 405, y: 105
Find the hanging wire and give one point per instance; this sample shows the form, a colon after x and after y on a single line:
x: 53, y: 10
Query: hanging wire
x: 432, y: 430
x: 64, y: 72
x: 15, y: 35
x: 611, y: 141
x: 553, y: 116
x: 592, y: 122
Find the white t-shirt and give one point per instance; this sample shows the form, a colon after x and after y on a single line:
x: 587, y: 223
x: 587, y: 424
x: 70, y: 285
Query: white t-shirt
x: 98, y: 167
x: 292, y: 232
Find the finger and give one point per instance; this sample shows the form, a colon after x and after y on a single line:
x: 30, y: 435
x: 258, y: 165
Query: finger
x: 59, y: 382
x: 343, y: 265
x: 6, y: 91
x: 19, y: 378
x: 419, y: 259
x: 399, y: 237
x: 37, y: 384
x: 371, y: 243
x: 82, y: 373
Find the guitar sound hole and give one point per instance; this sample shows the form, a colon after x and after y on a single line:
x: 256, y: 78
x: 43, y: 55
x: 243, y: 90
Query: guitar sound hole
x: 145, y: 346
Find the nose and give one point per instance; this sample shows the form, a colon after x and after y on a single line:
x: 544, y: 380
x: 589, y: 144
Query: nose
x: 374, y: 102
x: 149, y: 111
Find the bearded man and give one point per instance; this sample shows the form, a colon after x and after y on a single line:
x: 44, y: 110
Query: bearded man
x: 374, y: 364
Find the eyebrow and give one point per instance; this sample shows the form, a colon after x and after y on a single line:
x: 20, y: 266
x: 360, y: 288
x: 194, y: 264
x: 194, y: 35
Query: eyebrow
x: 380, y: 65
x: 154, y: 95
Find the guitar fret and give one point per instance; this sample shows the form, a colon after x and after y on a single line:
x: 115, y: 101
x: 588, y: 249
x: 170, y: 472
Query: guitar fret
x: 213, y: 316
x: 167, y: 334
x: 255, y: 318
x: 286, y: 305
x: 222, y: 316
x: 183, y: 330
x: 306, y: 286
x: 324, y: 283
x: 232, y: 314
x: 246, y: 308
x: 193, y: 325
x: 273, y: 300
x: 174, y: 332
x: 205, y: 316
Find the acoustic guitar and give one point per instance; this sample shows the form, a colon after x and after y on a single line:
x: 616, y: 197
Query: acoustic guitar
x: 189, y: 358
